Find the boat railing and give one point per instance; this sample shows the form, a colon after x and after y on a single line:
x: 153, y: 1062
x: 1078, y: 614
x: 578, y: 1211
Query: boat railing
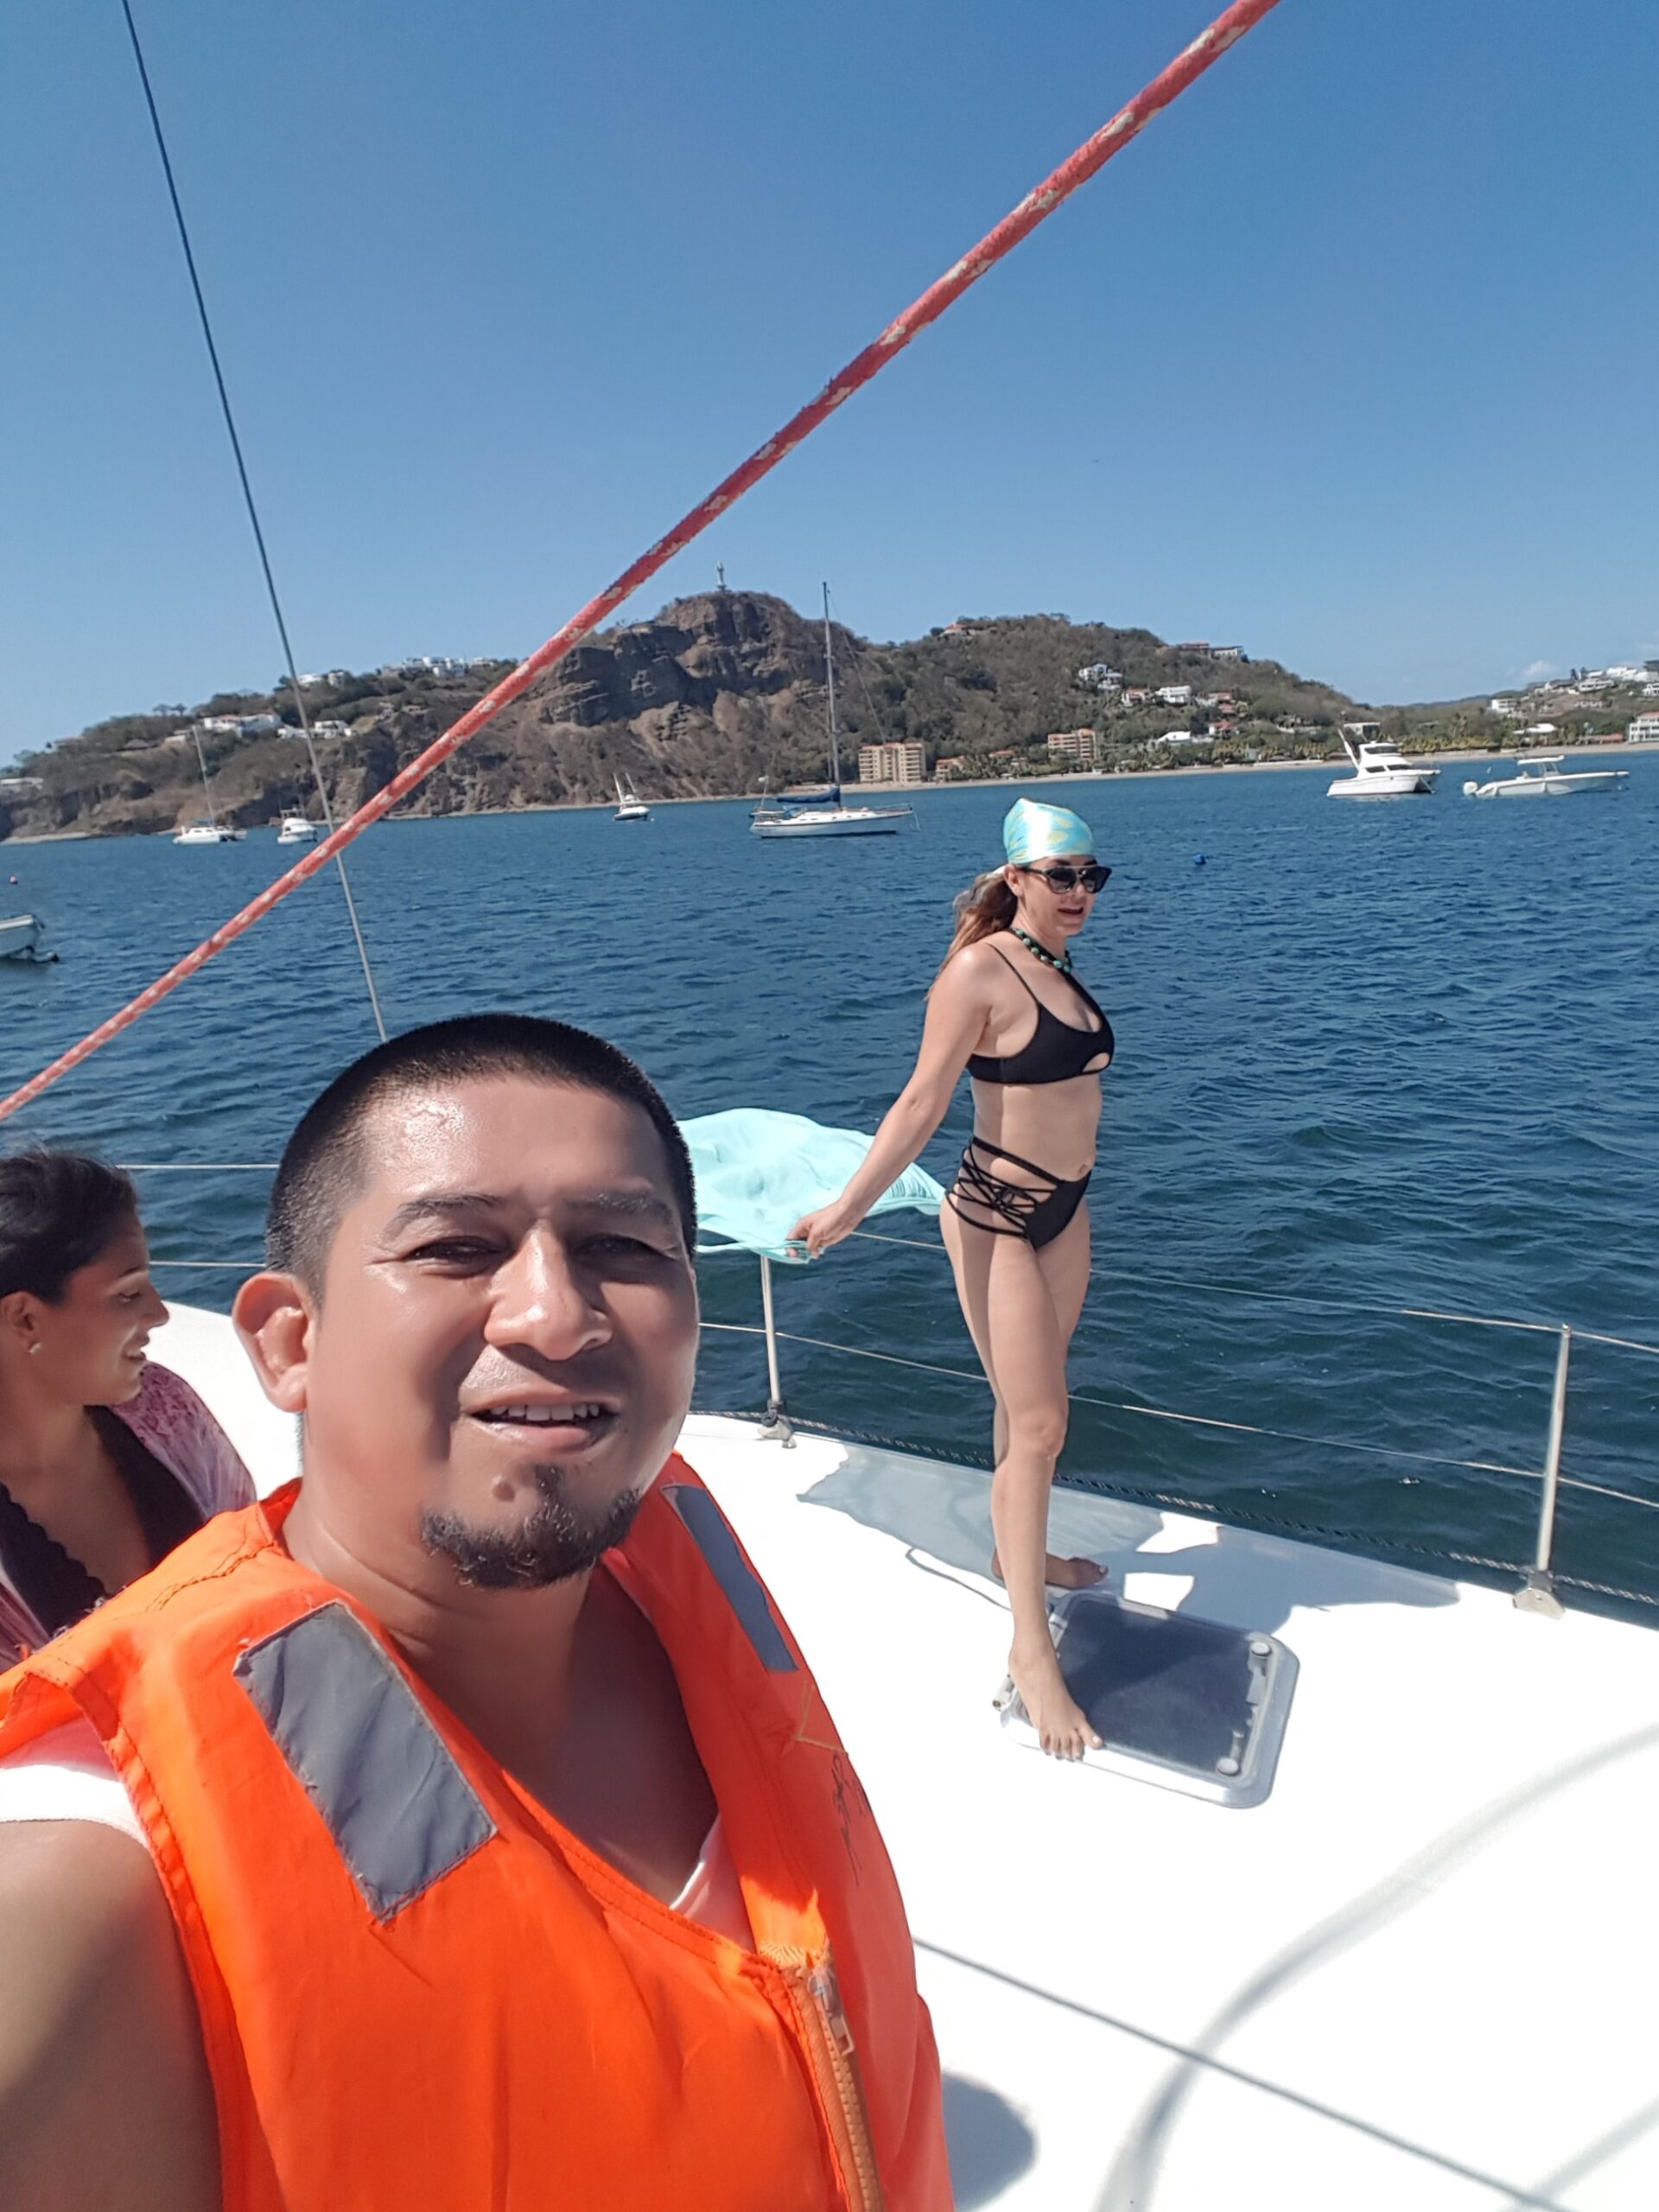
x: 1541, y: 1577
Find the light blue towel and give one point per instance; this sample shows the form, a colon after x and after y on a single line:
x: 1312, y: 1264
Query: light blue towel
x: 759, y: 1171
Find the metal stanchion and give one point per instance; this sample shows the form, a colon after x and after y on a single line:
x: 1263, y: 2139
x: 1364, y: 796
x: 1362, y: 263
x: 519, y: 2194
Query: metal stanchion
x: 1539, y: 1594
x: 776, y: 1427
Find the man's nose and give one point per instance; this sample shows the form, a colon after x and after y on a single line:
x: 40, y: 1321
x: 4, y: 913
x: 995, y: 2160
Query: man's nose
x: 543, y: 1301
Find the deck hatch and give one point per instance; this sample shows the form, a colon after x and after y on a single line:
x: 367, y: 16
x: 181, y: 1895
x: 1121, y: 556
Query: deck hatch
x: 1188, y: 1703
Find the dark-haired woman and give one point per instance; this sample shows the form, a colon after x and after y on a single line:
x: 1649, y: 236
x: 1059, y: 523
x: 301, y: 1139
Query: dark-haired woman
x: 1007, y: 1008
x: 107, y: 1462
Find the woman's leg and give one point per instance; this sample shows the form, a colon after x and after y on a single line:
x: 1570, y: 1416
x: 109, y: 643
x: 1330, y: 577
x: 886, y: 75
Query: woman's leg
x: 1064, y: 1266
x: 1011, y: 1317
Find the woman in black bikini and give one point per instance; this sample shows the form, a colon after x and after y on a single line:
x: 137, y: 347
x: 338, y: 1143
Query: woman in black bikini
x: 1017, y: 1231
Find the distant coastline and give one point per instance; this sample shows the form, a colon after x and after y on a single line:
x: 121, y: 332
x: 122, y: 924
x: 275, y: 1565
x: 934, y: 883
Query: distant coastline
x: 725, y: 692
x: 956, y: 783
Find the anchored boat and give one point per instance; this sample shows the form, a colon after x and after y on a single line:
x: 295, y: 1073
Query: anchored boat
x: 21, y: 937
x: 210, y: 830
x: 1382, y: 771
x: 829, y: 817
x: 1544, y: 776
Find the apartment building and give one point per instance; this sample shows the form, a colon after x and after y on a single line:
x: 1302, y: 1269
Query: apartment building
x: 904, y: 762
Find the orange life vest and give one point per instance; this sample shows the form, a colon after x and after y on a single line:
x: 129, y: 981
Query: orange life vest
x: 418, y: 1989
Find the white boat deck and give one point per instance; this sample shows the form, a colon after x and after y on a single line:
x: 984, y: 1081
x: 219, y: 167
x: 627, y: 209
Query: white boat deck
x: 1420, y: 1975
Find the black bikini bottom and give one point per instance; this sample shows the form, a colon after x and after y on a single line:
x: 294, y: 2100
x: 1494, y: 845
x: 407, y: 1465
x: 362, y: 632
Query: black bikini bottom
x: 1038, y: 1214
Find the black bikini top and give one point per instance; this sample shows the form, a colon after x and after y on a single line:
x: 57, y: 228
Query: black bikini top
x: 1057, y: 1050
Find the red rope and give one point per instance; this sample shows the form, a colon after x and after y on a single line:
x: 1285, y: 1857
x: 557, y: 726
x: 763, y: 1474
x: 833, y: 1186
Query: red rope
x: 1093, y: 154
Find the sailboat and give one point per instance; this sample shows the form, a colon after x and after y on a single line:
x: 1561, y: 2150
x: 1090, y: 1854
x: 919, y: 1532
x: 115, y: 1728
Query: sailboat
x: 211, y: 831
x: 826, y: 814
x: 630, y: 807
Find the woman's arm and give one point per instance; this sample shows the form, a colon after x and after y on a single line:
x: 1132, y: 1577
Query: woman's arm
x: 956, y: 1019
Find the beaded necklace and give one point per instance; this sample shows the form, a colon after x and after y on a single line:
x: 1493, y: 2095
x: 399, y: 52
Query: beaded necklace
x: 1060, y: 961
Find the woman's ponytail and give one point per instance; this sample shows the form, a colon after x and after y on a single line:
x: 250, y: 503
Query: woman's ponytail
x: 986, y: 906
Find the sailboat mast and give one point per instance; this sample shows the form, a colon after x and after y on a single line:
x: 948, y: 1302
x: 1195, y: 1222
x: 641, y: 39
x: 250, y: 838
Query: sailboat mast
x: 830, y: 669
x: 201, y: 761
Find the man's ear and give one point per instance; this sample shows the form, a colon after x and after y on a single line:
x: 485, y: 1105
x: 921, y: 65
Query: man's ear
x: 274, y: 1317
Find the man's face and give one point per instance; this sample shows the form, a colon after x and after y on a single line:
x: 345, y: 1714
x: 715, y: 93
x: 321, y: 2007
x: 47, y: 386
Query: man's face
x: 508, y: 1327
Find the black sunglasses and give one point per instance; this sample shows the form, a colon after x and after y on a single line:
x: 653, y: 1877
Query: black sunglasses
x: 1063, y: 877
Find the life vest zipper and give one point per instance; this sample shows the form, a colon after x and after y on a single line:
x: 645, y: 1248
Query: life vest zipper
x: 815, y: 1999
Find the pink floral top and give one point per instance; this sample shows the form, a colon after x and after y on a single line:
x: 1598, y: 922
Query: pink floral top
x: 171, y: 1422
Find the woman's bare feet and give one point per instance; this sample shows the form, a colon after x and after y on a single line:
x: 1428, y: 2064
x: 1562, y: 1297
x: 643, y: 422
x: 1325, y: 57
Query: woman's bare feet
x: 1063, y: 1727
x: 1063, y: 1573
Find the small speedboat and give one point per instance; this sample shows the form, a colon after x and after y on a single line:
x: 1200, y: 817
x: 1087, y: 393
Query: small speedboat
x: 296, y: 829
x: 630, y: 807
x: 208, y: 833
x: 1544, y: 776
x: 1382, y: 771
x: 21, y: 936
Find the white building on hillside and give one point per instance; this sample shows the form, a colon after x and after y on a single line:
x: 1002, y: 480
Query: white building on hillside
x: 1175, y: 695
x: 240, y: 725
x: 1645, y: 730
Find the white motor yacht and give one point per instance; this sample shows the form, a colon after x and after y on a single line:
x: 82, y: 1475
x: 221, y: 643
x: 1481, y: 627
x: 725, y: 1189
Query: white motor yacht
x: 1382, y: 771
x: 296, y: 829
x: 1544, y: 776
x: 630, y: 807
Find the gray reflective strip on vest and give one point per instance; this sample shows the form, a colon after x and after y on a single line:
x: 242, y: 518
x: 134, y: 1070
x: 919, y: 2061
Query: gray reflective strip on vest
x: 400, y: 1810
x: 743, y: 1588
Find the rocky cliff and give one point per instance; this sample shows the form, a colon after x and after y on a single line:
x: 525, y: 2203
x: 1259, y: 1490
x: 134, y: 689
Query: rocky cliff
x: 719, y: 692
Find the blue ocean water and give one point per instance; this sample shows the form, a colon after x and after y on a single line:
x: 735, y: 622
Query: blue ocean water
x: 1378, y: 1056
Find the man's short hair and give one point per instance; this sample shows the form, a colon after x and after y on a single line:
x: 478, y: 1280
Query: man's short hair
x: 323, y: 1166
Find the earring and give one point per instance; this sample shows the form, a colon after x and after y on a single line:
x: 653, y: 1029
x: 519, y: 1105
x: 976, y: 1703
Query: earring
x: 36, y: 1346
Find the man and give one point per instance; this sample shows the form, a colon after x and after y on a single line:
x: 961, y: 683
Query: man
x: 507, y: 1856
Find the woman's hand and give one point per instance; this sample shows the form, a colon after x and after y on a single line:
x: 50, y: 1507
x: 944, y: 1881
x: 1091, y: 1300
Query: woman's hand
x: 827, y: 1226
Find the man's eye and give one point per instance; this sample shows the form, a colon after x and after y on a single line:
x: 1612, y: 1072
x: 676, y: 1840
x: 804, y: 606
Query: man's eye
x: 621, y: 1247
x: 456, y: 1251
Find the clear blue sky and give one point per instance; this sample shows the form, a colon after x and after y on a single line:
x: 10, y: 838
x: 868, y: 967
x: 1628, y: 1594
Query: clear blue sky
x: 1351, y: 360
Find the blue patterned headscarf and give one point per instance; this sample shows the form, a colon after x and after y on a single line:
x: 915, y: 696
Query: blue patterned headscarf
x: 1032, y: 831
